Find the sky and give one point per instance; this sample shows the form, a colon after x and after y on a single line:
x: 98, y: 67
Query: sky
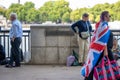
x: 74, y: 4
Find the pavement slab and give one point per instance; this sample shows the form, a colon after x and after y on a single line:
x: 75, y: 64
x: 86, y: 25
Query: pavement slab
x: 40, y: 72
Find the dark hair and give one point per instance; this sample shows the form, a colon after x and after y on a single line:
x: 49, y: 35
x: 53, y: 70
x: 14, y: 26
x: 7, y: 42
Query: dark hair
x: 85, y: 15
x: 103, y: 14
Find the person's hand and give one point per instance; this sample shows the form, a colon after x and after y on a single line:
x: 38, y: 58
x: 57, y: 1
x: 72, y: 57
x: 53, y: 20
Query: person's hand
x: 91, y: 33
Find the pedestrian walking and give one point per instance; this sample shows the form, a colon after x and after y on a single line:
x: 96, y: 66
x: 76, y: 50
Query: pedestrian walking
x: 101, y: 45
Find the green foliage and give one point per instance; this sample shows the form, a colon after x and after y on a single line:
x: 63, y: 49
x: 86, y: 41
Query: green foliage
x: 75, y: 15
x: 55, y: 10
x: 91, y: 17
x: 66, y: 17
x: 2, y: 11
x: 29, y: 5
x: 59, y: 10
x: 23, y: 11
x: 32, y: 15
x: 15, y: 6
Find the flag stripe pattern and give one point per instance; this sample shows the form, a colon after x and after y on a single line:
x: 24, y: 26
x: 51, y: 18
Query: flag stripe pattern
x: 98, y: 43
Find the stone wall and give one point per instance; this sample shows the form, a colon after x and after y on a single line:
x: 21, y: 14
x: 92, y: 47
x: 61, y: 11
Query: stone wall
x: 51, y: 44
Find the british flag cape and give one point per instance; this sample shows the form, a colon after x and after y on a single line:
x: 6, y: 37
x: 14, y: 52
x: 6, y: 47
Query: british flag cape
x: 97, y: 46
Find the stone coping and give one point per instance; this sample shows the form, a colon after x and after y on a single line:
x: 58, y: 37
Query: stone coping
x: 50, y: 25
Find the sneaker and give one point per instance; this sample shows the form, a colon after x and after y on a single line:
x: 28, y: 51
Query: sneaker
x: 82, y: 63
x: 8, y: 66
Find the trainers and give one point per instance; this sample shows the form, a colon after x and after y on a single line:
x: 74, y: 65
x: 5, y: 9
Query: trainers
x: 8, y: 66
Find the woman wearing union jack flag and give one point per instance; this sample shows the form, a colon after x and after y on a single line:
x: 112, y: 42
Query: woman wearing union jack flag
x: 102, y: 41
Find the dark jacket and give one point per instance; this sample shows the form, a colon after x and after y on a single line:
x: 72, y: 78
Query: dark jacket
x: 82, y: 26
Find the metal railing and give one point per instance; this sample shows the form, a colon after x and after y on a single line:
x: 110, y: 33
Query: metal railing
x: 5, y: 41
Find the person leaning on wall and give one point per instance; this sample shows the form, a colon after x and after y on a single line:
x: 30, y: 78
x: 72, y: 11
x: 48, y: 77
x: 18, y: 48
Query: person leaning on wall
x: 83, y: 32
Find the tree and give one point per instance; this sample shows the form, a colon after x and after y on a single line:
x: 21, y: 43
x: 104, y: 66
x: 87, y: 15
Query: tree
x: 21, y: 10
x: 2, y: 11
x: 13, y: 8
x: 54, y: 10
x: 91, y: 17
x: 15, y: 5
x: 75, y: 15
x: 22, y: 13
x: 54, y: 16
x: 97, y: 18
x: 62, y: 7
x: 66, y: 17
x: 29, y: 5
x: 59, y: 10
x: 10, y: 11
x: 32, y: 15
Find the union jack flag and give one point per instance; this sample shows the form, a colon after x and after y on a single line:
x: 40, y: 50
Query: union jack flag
x: 98, y: 43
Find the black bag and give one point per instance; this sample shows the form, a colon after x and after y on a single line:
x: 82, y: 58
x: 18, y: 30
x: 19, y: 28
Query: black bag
x: 2, y: 53
x: 76, y: 62
x: 21, y: 55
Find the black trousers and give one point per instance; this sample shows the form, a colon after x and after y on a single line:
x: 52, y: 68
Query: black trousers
x: 110, y: 55
x: 15, y: 52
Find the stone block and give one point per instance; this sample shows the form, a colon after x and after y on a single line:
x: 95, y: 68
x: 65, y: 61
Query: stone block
x: 37, y: 37
x: 73, y: 41
x: 64, y: 41
x: 38, y: 55
x: 51, y: 55
x: 63, y: 54
x: 52, y: 41
x: 63, y: 29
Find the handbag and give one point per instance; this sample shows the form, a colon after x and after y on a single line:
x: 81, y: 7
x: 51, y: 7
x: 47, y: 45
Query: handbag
x: 70, y: 60
x: 116, y: 69
x: 104, y: 70
x: 85, y: 34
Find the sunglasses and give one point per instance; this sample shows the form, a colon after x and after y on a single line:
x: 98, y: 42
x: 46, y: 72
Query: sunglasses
x: 108, y: 16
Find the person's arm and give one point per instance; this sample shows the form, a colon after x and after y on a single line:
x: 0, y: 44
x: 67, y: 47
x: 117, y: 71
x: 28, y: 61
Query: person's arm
x: 15, y: 30
x: 105, y: 51
x: 15, y: 26
x: 73, y: 27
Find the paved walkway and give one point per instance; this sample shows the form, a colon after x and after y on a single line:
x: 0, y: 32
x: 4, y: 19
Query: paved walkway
x: 38, y: 72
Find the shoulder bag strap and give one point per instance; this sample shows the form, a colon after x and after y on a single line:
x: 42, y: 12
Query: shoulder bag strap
x: 87, y: 26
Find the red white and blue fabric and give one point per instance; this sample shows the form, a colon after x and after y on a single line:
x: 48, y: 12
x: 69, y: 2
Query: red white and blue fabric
x: 104, y: 70
x: 98, y: 43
